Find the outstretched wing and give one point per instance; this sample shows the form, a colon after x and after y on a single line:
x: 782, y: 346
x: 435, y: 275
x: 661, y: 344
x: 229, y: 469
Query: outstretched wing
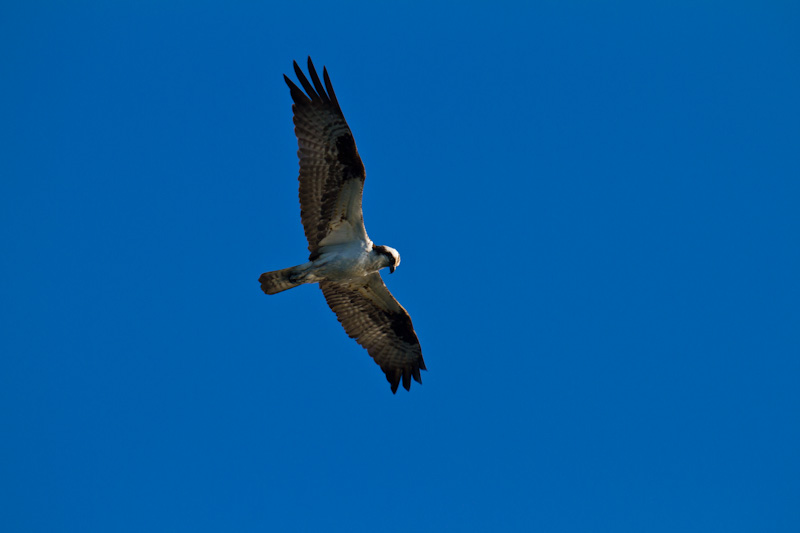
x: 331, y: 172
x: 371, y: 316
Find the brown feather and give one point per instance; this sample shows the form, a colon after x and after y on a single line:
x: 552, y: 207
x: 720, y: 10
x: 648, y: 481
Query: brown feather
x: 328, y: 155
x: 376, y: 320
x: 331, y: 185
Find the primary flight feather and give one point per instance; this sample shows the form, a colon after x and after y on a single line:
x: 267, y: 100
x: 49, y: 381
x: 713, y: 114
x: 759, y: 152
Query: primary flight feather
x: 343, y: 260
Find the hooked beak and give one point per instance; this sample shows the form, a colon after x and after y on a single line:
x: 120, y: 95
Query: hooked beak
x: 391, y: 269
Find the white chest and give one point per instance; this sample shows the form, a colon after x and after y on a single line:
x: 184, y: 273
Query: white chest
x: 345, y: 261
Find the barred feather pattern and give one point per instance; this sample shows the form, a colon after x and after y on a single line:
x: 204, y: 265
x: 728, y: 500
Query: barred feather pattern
x: 277, y: 281
x: 331, y: 171
x: 372, y: 316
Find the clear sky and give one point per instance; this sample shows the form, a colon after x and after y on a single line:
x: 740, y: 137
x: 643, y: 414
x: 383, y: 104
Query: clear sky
x: 597, y: 211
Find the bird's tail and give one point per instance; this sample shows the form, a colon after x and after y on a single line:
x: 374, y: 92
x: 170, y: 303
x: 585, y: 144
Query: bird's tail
x: 280, y: 280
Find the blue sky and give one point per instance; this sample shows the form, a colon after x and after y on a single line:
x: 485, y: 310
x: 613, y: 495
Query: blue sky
x: 597, y: 210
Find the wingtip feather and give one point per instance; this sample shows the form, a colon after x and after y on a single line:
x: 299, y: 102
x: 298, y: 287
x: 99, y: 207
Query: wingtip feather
x: 329, y: 87
x: 407, y: 379
x: 315, y: 80
x: 304, y: 81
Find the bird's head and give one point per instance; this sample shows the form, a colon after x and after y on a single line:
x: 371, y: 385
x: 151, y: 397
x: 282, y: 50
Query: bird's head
x: 392, y: 257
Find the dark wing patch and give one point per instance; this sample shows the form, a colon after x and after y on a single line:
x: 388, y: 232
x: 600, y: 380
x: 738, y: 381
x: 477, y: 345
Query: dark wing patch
x: 371, y: 316
x: 328, y: 156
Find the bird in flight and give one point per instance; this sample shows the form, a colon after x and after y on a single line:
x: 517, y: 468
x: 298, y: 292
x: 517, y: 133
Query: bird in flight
x: 343, y: 259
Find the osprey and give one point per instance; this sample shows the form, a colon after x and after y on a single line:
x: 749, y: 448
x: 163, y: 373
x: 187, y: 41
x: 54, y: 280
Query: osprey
x: 343, y: 260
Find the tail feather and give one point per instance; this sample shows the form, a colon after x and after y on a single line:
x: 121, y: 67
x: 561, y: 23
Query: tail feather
x: 278, y: 281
